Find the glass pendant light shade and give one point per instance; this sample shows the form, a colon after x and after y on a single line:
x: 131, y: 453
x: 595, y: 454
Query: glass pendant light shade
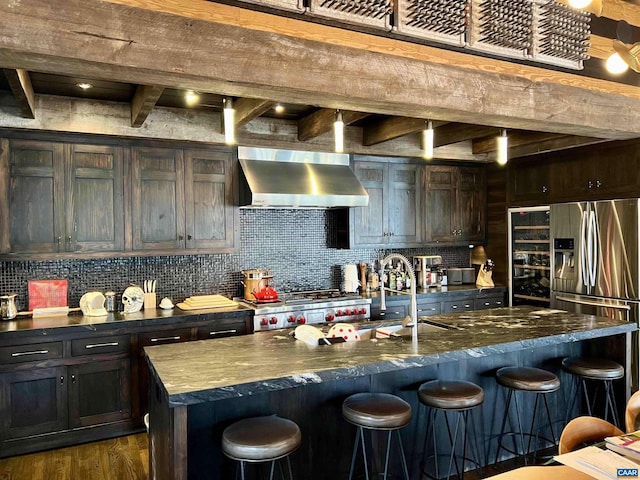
x: 427, y: 140
x: 338, y: 132
x: 502, y: 152
x: 229, y: 115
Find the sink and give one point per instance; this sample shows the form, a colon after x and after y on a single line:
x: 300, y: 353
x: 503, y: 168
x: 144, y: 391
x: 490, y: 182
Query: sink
x: 394, y: 331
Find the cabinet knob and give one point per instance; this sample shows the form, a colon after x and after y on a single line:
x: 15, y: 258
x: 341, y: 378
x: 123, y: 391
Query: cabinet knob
x: 69, y: 239
x: 590, y: 184
x: 73, y: 379
x: 61, y: 380
x: 189, y: 237
x: 598, y: 184
x: 180, y: 237
x: 544, y: 189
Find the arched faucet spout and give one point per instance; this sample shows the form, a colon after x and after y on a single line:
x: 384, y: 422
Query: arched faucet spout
x: 413, y: 305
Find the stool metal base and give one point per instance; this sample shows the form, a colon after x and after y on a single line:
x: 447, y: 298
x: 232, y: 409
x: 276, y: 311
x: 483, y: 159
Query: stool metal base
x: 610, y: 406
x: 533, y: 431
x: 360, y: 441
x: 464, y: 418
x: 271, y: 469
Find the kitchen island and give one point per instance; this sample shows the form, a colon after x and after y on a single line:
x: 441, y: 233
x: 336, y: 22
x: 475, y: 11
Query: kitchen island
x: 200, y: 388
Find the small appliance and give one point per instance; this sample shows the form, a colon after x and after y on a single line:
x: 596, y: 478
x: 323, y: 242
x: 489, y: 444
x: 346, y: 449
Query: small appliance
x: 428, y: 272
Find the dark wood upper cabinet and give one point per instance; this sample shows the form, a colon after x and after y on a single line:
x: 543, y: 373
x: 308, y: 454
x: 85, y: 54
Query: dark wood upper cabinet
x: 454, y: 204
x: 183, y: 199
x: 158, y: 205
x: 391, y: 218
x: 64, y: 197
x: 209, y: 199
x: 599, y: 172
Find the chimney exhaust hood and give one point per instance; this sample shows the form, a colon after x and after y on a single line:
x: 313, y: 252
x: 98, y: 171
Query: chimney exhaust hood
x: 297, y: 179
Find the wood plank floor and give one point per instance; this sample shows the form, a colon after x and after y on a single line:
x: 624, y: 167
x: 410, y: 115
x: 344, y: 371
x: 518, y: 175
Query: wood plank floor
x: 123, y: 458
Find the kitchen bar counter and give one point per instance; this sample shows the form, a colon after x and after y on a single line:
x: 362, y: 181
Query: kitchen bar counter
x: 201, y: 387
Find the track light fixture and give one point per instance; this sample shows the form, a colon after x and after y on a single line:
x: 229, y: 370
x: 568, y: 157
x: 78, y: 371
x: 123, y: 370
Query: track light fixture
x: 502, y: 151
x: 427, y: 140
x: 338, y: 132
x: 229, y: 115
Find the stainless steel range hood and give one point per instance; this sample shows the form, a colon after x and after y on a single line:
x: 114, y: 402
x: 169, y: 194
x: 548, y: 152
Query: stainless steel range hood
x: 297, y: 179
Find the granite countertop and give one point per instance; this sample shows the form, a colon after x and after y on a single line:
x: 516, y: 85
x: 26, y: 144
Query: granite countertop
x: 209, y: 370
x: 64, y: 323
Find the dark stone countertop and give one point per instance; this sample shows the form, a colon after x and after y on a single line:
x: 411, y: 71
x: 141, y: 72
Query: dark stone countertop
x: 209, y: 370
x: 22, y: 327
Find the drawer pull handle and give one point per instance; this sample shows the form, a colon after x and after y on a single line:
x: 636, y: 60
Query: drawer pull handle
x: 220, y: 332
x: 453, y: 307
x: 487, y: 304
x: 162, y: 339
x: 98, y: 345
x: 467, y: 306
x: 34, y: 352
x: 498, y: 303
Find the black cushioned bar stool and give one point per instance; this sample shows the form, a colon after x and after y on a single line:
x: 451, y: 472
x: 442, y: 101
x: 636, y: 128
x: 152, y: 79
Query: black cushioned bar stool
x: 261, y: 439
x: 531, y: 380
x: 596, y: 369
x: 457, y: 397
x: 376, y: 411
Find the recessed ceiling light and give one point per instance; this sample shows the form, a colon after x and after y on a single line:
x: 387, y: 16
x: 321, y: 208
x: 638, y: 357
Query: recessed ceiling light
x: 278, y: 108
x: 616, y: 65
x: 84, y: 85
x: 191, y: 97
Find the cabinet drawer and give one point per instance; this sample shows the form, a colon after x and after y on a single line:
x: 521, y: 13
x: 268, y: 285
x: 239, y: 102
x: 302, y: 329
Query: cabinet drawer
x: 163, y: 337
x: 459, y: 306
x: 100, y: 345
x: 491, y: 302
x: 393, y: 312
x: 30, y: 353
x: 426, y: 309
x: 224, y: 330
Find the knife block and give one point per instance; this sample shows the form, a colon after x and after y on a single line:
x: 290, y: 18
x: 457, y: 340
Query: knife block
x: 150, y: 300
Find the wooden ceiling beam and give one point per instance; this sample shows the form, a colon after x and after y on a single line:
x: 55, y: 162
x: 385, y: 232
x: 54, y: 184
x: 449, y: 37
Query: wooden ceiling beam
x: 144, y: 100
x: 249, y: 108
x: 20, y: 84
x: 321, y: 122
x: 118, y: 40
x: 529, y: 143
x: 459, y: 132
x: 394, y: 127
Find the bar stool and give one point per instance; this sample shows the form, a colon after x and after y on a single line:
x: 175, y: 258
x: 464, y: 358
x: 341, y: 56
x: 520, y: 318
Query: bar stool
x: 376, y: 411
x: 526, y: 379
x: 597, y: 369
x: 261, y: 439
x: 458, y: 397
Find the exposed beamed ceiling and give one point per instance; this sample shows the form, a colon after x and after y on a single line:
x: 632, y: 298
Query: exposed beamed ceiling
x: 386, y: 88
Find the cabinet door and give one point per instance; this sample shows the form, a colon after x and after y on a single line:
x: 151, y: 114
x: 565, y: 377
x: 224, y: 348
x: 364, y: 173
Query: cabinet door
x: 528, y: 182
x: 36, y: 196
x: 405, y: 220
x: 99, y: 392
x: 158, y: 199
x: 370, y: 223
x: 616, y: 173
x: 570, y: 179
x: 440, y: 203
x: 209, y: 199
x: 470, y: 203
x: 95, y: 192
x: 33, y: 402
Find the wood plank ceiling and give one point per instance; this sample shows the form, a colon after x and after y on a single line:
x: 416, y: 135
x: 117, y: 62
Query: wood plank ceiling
x: 48, y: 65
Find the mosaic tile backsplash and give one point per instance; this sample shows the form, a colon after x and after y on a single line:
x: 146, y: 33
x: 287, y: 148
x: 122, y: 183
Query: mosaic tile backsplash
x: 291, y: 243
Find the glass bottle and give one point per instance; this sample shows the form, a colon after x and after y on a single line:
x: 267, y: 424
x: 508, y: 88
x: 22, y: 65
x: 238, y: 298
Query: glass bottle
x: 399, y: 277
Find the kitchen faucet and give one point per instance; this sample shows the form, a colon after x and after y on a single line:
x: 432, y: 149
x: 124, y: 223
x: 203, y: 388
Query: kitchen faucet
x: 413, y: 305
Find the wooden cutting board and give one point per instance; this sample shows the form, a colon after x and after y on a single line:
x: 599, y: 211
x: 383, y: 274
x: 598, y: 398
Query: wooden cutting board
x: 206, y: 301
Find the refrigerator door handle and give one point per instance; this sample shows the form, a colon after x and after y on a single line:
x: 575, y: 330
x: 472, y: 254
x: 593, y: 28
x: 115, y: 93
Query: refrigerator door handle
x: 593, y: 232
x: 591, y: 302
x: 583, y: 250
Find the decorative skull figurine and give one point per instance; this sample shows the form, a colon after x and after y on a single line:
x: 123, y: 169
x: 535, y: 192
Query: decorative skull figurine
x: 133, y: 299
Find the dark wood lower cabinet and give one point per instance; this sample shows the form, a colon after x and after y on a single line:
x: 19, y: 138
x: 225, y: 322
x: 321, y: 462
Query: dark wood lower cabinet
x: 99, y: 392
x: 77, y: 388
x: 33, y: 402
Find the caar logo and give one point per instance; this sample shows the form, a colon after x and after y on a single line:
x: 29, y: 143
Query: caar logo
x: 627, y: 472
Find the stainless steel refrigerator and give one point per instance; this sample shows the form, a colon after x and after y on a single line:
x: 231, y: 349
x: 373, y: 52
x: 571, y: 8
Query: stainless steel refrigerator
x: 595, y: 263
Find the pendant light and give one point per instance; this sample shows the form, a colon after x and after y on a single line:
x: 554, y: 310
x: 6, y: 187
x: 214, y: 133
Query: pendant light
x: 427, y: 140
x: 502, y: 151
x: 338, y: 132
x: 229, y: 115
x: 615, y: 65
x: 630, y: 54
